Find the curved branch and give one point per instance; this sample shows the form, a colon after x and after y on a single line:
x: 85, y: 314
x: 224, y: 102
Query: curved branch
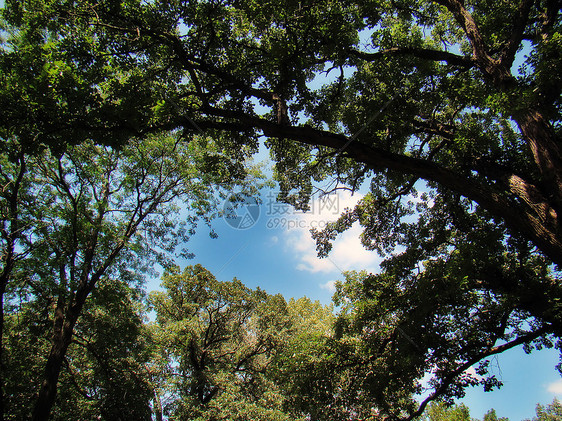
x: 379, y: 159
x: 492, y: 68
x: 450, y: 378
x: 422, y: 53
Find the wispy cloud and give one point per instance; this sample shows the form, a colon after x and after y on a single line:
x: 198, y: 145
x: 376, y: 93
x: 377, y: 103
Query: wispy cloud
x: 555, y: 387
x: 330, y: 286
x: 273, y: 241
x: 347, y: 251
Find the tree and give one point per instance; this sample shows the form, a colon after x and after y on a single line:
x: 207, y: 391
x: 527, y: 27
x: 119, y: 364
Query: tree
x: 434, y: 323
x: 491, y: 416
x: 101, y: 213
x: 306, y: 368
x: 439, y: 412
x: 427, y: 95
x: 103, y: 374
x: 16, y: 224
x: 552, y: 412
x: 218, y: 340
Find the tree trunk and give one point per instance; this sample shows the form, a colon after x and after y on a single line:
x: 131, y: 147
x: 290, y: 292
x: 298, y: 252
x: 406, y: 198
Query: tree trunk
x: 157, y: 407
x: 546, y: 153
x: 62, y: 337
x: 2, y: 291
x: 48, y: 391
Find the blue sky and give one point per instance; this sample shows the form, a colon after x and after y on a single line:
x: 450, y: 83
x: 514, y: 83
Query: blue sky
x: 277, y: 254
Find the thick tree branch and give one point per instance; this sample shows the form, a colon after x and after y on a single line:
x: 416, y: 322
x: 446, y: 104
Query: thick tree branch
x: 380, y: 159
x: 466, y: 21
x: 491, y: 67
x: 545, y: 148
x: 422, y: 53
x: 519, y: 25
x: 535, y: 200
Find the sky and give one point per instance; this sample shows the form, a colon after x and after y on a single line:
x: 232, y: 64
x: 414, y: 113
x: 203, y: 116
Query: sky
x: 274, y: 251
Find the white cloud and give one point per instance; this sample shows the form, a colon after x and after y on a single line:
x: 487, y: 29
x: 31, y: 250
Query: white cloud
x: 347, y: 251
x: 555, y: 387
x: 473, y: 373
x: 330, y: 286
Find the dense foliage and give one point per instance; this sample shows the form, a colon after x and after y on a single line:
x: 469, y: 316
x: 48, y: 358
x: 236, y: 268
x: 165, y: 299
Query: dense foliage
x: 551, y: 412
x: 216, y: 342
x: 72, y: 222
x: 116, y: 114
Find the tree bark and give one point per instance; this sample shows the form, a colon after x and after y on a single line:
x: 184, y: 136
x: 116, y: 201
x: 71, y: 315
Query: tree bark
x: 157, y: 407
x: 61, y: 339
x: 546, y: 153
x: 2, y: 291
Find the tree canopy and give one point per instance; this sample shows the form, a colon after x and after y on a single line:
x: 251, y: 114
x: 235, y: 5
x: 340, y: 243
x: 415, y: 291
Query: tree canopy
x: 72, y: 221
x: 553, y: 411
x: 217, y: 340
x: 447, y: 112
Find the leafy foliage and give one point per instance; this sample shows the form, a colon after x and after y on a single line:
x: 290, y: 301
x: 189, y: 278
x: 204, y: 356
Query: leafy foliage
x: 96, y: 213
x: 217, y: 341
x: 551, y: 412
x: 439, y: 412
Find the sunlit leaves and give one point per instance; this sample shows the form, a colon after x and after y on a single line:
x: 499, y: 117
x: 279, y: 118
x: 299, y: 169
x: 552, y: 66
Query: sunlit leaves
x: 218, y: 339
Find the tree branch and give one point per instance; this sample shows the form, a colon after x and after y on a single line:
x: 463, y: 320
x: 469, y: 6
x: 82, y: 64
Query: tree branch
x: 380, y: 159
x: 450, y: 378
x: 422, y: 53
x: 490, y: 67
x: 519, y: 25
